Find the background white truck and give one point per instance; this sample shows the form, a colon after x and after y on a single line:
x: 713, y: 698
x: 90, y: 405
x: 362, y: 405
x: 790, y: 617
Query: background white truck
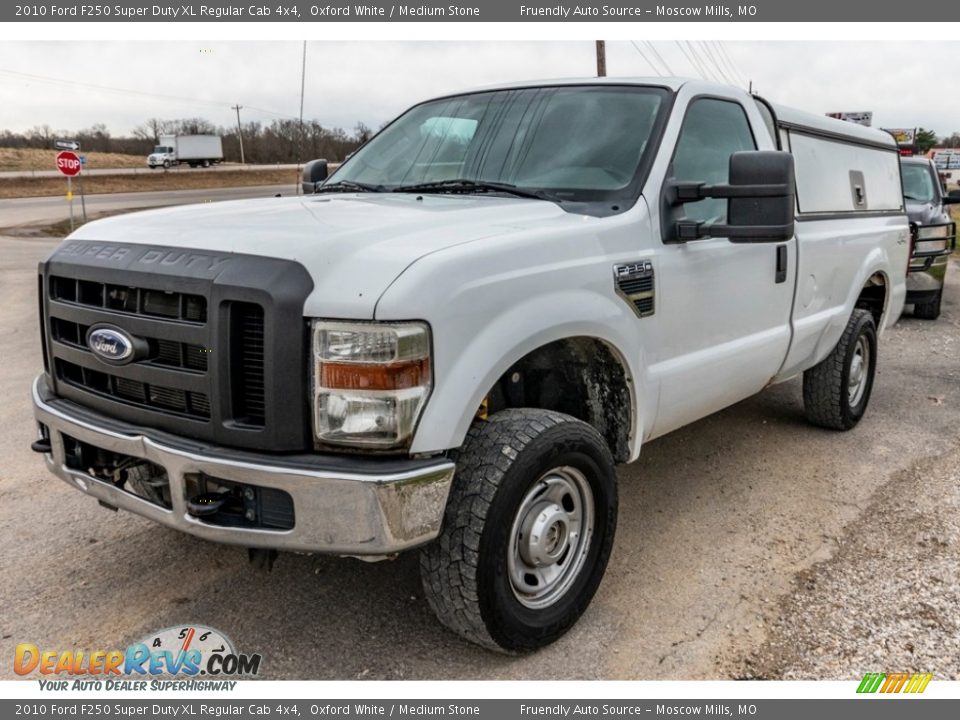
x: 452, y: 343
x: 195, y: 150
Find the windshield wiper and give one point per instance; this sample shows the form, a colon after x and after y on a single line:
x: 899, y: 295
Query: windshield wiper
x: 911, y: 197
x: 472, y: 186
x: 349, y: 186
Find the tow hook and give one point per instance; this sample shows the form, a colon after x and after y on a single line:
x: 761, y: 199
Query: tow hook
x: 205, y: 504
x: 42, y: 446
x: 262, y: 558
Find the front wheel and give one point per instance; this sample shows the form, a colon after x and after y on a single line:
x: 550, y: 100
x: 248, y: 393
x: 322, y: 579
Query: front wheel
x: 528, y: 530
x: 837, y: 390
x: 166, y: 164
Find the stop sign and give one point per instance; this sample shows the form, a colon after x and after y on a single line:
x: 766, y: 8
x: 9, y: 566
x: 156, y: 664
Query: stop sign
x: 68, y: 163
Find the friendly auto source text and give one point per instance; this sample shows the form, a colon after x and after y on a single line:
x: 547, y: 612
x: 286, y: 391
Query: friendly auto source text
x: 627, y: 11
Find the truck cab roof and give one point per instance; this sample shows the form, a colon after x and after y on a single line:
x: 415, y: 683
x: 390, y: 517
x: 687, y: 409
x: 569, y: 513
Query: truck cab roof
x: 785, y: 115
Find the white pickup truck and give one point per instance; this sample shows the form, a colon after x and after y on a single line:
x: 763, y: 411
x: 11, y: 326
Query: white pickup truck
x: 451, y: 342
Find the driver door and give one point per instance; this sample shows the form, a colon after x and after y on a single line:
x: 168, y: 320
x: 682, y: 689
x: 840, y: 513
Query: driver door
x: 724, y: 308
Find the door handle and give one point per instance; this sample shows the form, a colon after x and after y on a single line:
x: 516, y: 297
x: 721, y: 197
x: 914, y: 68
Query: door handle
x: 781, y: 275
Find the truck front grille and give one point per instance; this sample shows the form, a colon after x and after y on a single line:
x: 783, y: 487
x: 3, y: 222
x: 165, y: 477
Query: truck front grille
x: 163, y: 352
x: 131, y: 300
x: 222, y: 346
x: 247, y: 336
x: 134, y: 392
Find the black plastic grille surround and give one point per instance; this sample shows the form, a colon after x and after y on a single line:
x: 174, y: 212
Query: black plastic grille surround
x: 226, y: 345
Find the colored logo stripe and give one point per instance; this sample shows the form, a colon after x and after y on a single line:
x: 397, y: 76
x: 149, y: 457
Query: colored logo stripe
x: 894, y: 683
x: 871, y: 682
x: 918, y: 683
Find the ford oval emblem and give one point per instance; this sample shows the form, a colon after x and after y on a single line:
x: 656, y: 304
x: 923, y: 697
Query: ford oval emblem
x: 111, y: 344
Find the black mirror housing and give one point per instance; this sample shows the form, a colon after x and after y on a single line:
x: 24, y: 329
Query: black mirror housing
x: 769, y: 218
x: 761, y: 200
x: 315, y: 171
x: 952, y: 197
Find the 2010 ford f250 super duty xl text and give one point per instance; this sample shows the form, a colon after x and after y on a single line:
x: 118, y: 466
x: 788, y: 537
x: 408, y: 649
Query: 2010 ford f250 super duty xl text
x: 452, y: 342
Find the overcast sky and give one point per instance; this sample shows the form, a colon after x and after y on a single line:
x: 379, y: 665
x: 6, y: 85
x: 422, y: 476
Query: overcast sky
x: 905, y: 84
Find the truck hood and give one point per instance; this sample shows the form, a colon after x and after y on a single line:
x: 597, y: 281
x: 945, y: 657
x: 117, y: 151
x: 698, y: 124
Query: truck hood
x: 353, y: 245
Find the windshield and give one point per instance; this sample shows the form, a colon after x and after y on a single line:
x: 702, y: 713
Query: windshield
x: 162, y: 149
x: 572, y: 143
x: 918, y: 183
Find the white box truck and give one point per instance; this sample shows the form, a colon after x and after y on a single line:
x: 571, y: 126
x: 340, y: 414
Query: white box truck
x: 453, y: 340
x: 195, y: 150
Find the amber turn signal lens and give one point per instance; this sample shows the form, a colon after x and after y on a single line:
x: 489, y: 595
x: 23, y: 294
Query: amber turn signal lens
x: 374, y: 376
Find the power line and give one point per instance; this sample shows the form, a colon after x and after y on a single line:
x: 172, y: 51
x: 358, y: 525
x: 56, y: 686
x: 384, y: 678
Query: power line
x: 637, y: 48
x: 696, y: 69
x: 704, y: 71
x: 658, y: 56
x: 733, y: 63
x: 716, y: 65
x: 731, y: 73
x: 129, y: 91
x: 707, y: 69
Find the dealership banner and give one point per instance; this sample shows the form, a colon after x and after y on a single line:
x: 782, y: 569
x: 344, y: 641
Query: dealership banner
x: 864, y: 117
x: 484, y: 11
x: 892, y: 708
x: 903, y: 136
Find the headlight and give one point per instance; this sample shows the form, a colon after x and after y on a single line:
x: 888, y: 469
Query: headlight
x: 933, y: 238
x: 371, y: 381
x: 930, y: 246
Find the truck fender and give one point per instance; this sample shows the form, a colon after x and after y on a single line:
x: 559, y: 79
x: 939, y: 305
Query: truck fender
x: 876, y: 262
x: 469, y: 371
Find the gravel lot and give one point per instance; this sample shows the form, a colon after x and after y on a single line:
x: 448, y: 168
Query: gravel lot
x: 889, y: 599
x: 749, y: 544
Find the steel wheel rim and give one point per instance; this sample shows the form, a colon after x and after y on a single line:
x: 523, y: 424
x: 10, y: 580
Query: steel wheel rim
x: 550, y: 537
x: 859, y: 371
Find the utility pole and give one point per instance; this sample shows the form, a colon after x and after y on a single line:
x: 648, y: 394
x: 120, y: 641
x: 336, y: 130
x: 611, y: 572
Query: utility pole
x: 303, y: 84
x: 238, y: 108
x: 601, y: 58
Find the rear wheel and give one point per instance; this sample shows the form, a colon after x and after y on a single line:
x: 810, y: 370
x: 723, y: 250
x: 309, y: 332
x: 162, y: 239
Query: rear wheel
x: 929, y: 310
x: 836, y: 392
x: 528, y: 530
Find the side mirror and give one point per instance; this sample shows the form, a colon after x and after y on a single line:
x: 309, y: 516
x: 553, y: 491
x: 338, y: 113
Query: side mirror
x: 952, y: 198
x: 760, y: 201
x: 314, y: 172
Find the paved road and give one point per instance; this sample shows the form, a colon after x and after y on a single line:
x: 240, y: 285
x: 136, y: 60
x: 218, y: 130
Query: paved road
x: 29, y: 211
x: 717, y: 520
x: 226, y: 167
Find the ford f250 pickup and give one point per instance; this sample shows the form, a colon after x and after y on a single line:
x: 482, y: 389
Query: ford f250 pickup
x: 450, y: 342
x: 934, y: 234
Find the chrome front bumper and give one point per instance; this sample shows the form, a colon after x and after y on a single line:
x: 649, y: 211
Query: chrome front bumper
x: 359, y: 512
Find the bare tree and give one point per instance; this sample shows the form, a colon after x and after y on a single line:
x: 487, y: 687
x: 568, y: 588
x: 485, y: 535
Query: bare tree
x: 362, y: 133
x: 41, y: 136
x: 151, y: 130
